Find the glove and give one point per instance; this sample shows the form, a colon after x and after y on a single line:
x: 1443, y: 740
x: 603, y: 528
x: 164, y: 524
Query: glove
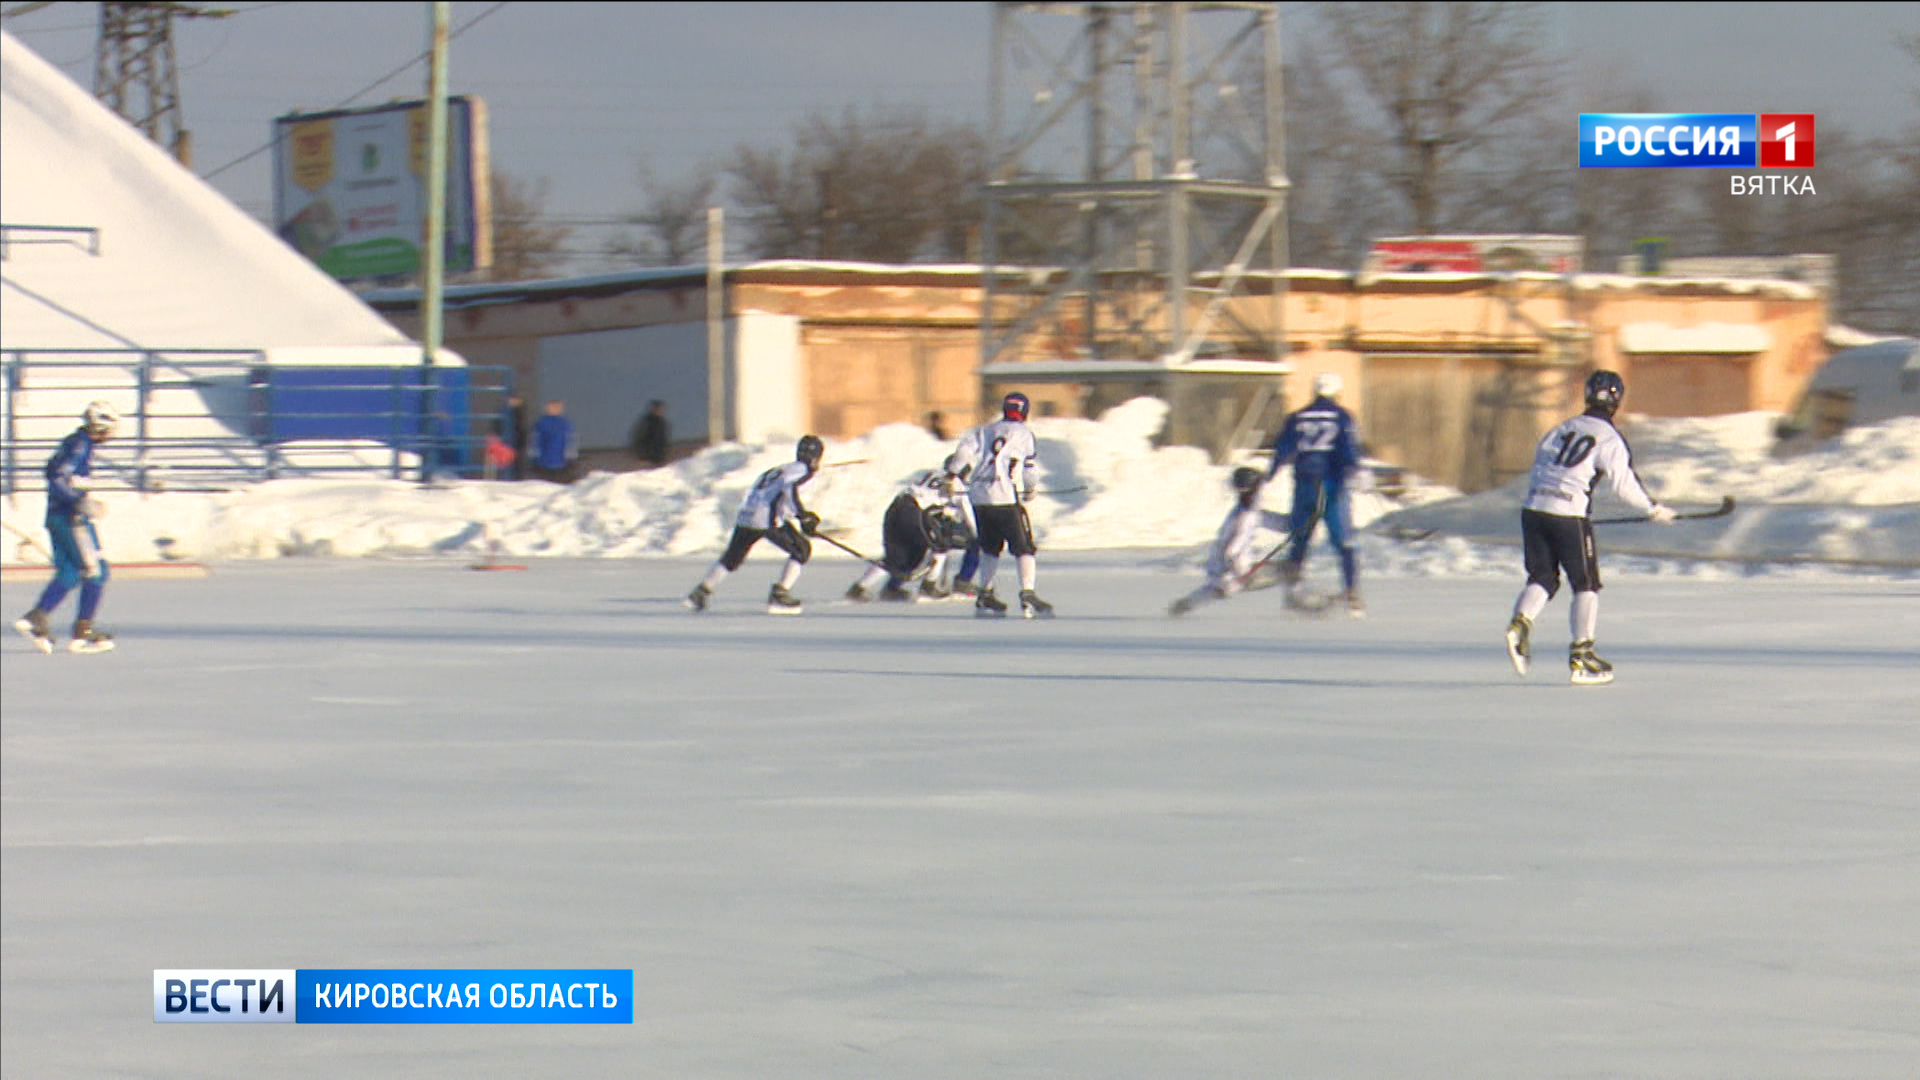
x: 92, y: 509
x: 1661, y: 515
x: 809, y: 523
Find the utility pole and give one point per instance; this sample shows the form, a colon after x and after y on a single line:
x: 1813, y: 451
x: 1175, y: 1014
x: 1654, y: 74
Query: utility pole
x: 135, y: 71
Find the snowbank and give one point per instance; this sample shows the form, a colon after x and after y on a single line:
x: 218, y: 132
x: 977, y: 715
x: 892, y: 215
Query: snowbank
x: 1856, y: 500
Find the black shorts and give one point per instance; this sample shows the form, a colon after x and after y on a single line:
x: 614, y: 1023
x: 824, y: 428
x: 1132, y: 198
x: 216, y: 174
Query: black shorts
x: 787, y: 538
x: 1004, y: 527
x: 905, y: 536
x: 1554, y: 541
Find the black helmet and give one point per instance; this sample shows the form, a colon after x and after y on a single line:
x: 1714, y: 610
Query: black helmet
x: 810, y: 450
x: 1015, y: 406
x: 1246, y: 478
x: 1605, y: 391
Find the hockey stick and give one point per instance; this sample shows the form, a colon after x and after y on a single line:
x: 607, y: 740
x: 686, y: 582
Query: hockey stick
x: 872, y: 562
x: 1063, y: 491
x: 1725, y: 508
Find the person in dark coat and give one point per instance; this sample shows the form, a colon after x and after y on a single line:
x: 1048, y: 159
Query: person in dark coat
x: 651, y: 435
x: 511, y: 427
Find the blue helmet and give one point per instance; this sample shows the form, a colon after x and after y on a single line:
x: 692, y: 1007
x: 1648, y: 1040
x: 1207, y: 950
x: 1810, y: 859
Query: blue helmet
x: 1605, y: 391
x: 1015, y: 406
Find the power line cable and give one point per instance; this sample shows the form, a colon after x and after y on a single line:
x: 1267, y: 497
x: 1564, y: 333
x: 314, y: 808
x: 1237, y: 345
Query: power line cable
x: 364, y: 91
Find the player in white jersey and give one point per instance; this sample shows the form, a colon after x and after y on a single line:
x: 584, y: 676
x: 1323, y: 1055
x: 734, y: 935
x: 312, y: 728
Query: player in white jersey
x: 1556, y: 525
x: 999, y: 462
x: 1234, y: 556
x: 772, y: 511
x: 924, y: 524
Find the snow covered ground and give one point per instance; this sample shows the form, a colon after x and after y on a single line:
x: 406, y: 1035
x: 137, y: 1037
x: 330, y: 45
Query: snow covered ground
x: 891, y: 841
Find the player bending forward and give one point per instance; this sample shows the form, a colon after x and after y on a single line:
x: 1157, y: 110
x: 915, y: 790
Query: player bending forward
x: 1556, y: 525
x: 999, y: 465
x: 924, y: 524
x: 772, y: 511
x: 1233, y: 558
x: 71, y: 513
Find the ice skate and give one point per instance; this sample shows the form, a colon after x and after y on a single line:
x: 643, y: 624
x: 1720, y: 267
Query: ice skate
x: 782, y: 602
x: 88, y: 638
x: 988, y: 606
x: 857, y: 594
x: 1356, y: 608
x: 1519, y: 644
x: 896, y: 594
x: 697, y: 599
x: 931, y: 590
x: 1184, y: 604
x: 1032, y: 607
x: 33, y: 627
x: 965, y: 589
x: 1587, y: 667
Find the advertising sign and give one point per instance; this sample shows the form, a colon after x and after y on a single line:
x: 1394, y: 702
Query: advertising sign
x: 350, y: 189
x: 1476, y: 254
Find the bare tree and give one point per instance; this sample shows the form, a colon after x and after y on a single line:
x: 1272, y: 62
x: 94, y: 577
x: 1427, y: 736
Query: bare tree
x: 890, y: 187
x: 1447, y: 86
x: 524, y: 246
x: 672, y: 219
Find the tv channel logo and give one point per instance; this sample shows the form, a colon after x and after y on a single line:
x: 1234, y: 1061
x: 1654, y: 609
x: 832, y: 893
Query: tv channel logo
x: 1697, y: 140
x: 223, y: 996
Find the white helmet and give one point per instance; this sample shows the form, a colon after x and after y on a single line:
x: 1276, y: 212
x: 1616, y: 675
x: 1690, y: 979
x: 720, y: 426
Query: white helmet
x: 101, y: 419
x: 1326, y: 384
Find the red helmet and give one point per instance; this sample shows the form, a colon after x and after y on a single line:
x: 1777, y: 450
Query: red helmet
x: 1015, y: 406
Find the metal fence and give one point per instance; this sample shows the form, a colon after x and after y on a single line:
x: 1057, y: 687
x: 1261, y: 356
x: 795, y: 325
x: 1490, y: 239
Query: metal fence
x: 209, y: 420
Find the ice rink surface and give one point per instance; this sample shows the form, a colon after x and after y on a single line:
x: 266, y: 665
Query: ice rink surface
x: 897, y: 842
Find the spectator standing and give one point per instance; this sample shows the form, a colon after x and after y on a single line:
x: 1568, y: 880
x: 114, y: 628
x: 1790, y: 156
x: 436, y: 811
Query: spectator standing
x: 511, y: 427
x: 556, y: 449
x: 651, y: 435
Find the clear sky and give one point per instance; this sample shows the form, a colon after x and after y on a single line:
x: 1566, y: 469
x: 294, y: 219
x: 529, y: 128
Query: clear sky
x: 581, y: 93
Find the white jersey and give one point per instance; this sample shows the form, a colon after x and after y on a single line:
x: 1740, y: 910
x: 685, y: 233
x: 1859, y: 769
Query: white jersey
x: 775, y: 498
x: 1570, y: 462
x: 1003, y: 459
x: 943, y: 493
x: 1234, y: 552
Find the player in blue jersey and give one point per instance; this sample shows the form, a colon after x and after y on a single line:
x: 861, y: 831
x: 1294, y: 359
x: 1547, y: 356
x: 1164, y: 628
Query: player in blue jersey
x: 1322, y: 443
x: 71, y: 513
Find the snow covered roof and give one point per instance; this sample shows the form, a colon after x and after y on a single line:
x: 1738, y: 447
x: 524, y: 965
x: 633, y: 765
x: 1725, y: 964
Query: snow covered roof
x: 170, y: 264
x: 1729, y: 338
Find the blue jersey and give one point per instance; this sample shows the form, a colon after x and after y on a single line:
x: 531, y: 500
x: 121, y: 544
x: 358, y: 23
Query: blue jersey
x: 1320, y: 442
x: 73, y: 459
x: 553, y: 442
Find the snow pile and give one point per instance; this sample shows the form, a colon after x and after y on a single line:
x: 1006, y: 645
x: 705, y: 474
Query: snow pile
x: 1699, y: 460
x: 1856, y: 500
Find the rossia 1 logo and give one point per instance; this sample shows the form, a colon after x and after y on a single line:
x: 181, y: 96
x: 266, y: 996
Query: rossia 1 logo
x: 1706, y: 141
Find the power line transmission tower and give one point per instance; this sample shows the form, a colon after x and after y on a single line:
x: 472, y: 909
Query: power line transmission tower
x: 135, y: 72
x: 1136, y: 204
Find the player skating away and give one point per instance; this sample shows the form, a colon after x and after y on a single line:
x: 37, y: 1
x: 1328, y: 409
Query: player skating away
x: 1322, y: 444
x: 922, y: 526
x: 999, y: 462
x: 71, y: 513
x: 1234, y: 555
x: 1556, y: 525
x: 772, y: 510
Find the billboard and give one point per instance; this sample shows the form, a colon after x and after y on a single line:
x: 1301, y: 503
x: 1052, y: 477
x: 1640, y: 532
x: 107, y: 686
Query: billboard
x: 1476, y: 254
x: 349, y: 188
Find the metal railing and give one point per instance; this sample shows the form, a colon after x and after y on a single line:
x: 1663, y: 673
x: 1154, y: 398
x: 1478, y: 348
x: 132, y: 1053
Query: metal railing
x: 210, y: 420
